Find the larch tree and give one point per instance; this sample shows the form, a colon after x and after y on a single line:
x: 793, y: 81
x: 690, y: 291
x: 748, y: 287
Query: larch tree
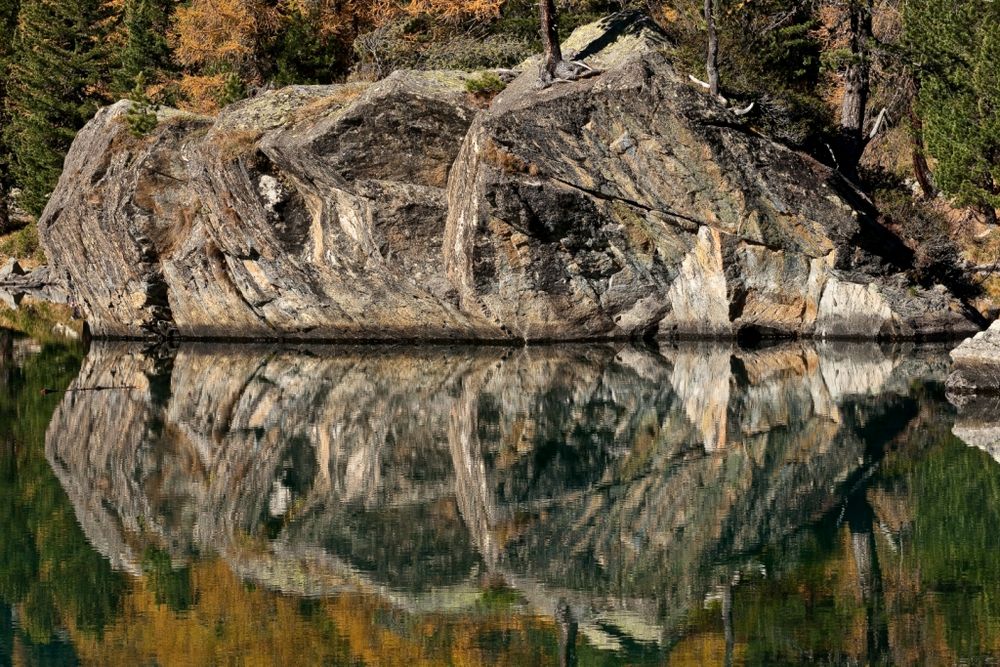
x: 57, y: 81
x: 220, y: 44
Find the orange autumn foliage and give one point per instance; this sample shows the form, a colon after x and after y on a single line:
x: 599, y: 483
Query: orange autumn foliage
x: 210, y: 37
x: 209, y: 31
x: 232, y: 622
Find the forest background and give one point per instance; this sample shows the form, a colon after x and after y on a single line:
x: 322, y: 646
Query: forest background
x: 903, y: 96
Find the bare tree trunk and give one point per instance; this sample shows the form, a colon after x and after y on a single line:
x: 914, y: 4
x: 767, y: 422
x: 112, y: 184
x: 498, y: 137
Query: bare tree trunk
x: 550, y: 36
x: 4, y: 211
x: 989, y: 215
x: 869, y: 579
x: 554, y: 68
x: 857, y: 83
x: 727, y: 623
x: 712, y: 64
x: 921, y: 171
x: 567, y: 634
x: 6, y: 349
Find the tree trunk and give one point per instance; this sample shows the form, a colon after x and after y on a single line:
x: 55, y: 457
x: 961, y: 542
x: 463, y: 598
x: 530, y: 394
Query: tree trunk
x: 869, y: 578
x: 921, y: 171
x: 4, y: 211
x: 712, y: 64
x: 567, y: 634
x: 989, y: 215
x: 550, y: 36
x: 6, y: 349
x: 857, y: 84
x: 727, y: 623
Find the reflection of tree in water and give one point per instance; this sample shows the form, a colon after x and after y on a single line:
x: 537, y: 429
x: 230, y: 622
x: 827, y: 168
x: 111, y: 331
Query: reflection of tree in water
x: 50, y: 576
x: 589, y: 479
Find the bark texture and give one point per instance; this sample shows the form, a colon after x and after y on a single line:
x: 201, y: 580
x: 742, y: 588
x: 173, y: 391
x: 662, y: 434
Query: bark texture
x: 550, y: 35
x: 857, y: 84
x: 712, y: 64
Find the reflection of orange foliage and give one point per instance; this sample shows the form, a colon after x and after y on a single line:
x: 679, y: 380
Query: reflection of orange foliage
x: 232, y: 622
x: 704, y: 649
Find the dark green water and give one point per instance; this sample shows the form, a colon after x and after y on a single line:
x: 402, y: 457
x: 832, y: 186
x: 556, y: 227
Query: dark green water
x: 798, y: 504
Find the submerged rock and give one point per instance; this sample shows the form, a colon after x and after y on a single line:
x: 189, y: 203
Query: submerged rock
x: 628, y: 204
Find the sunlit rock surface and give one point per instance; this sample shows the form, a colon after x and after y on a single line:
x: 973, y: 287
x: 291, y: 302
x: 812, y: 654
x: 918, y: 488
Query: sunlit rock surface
x: 581, y: 474
x: 625, y: 205
x: 977, y: 364
x: 308, y: 212
x: 630, y: 203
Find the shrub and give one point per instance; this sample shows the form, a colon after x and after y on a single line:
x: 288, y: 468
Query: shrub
x: 486, y: 84
x: 22, y: 244
x: 937, y: 258
x: 141, y: 116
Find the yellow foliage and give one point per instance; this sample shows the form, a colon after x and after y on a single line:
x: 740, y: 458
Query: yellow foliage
x: 217, y: 31
x: 214, y: 36
x: 201, y: 92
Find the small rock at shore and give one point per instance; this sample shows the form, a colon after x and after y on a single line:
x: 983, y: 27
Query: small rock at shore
x: 977, y: 364
x: 11, y: 269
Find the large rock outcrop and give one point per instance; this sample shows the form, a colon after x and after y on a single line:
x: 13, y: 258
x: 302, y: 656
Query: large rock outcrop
x: 624, y: 205
x: 309, y: 212
x: 16, y: 284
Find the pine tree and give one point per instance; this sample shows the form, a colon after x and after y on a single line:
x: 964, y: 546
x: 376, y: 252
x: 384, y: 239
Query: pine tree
x: 8, y: 21
x: 955, y: 49
x: 146, y: 52
x: 56, y: 83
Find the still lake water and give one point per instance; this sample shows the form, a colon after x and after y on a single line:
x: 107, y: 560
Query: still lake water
x: 598, y: 505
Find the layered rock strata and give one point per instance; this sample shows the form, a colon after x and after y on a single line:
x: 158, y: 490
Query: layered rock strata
x: 625, y: 205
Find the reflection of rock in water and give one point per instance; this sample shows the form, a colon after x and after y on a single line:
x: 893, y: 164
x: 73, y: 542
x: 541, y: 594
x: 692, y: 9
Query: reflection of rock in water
x: 618, y: 481
x: 978, y: 423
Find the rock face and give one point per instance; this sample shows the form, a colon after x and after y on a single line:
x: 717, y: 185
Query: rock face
x: 623, y: 205
x: 307, y: 213
x: 978, y: 423
x: 977, y: 364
